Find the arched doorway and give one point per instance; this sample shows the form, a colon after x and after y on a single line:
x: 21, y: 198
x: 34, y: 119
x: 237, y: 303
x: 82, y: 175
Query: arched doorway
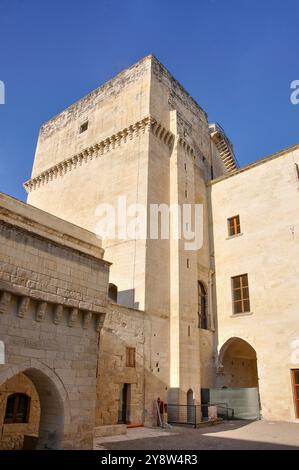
x: 190, y: 406
x: 238, y: 365
x: 52, y: 401
x: 237, y: 380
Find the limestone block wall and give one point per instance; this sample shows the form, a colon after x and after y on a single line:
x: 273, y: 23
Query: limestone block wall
x: 179, y: 178
x: 265, y: 195
x: 238, y: 373
x: 123, y: 328
x: 109, y: 109
x: 52, y: 306
x: 12, y: 434
x: 106, y: 161
x: 208, y: 355
x: 119, y: 172
x: 147, y: 140
x: 167, y: 94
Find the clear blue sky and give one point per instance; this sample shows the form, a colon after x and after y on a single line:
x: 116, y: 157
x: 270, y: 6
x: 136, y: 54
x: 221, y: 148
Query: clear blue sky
x: 235, y: 57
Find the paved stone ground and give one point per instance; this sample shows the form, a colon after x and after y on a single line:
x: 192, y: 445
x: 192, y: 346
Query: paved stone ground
x: 229, y: 435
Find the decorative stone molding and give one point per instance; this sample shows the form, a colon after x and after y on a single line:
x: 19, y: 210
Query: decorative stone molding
x: 41, y: 311
x: 23, y: 307
x: 162, y: 133
x: 148, y: 124
x: 71, y: 315
x: 86, y: 319
x: 100, y: 322
x: 190, y: 150
x: 58, y: 311
x: 5, y: 302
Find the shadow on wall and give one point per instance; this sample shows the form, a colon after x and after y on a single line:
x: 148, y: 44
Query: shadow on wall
x: 127, y: 298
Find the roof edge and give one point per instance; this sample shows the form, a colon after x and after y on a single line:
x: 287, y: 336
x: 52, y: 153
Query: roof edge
x: 258, y: 162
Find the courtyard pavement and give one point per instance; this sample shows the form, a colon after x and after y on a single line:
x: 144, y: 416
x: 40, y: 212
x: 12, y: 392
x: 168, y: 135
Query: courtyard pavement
x: 231, y: 435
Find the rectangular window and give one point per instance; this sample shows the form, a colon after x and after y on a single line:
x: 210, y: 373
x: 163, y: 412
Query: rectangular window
x: 130, y: 357
x: 234, y: 226
x: 83, y: 127
x: 295, y: 379
x: 240, y: 291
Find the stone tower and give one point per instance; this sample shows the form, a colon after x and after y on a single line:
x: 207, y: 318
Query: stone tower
x: 141, y: 136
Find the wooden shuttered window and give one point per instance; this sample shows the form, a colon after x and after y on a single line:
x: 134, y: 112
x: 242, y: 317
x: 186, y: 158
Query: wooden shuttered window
x: 17, y: 408
x: 234, y: 227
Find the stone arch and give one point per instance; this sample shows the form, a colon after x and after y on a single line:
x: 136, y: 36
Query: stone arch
x: 230, y: 341
x: 237, y: 364
x: 54, y: 404
x: 112, y: 292
x: 190, y: 397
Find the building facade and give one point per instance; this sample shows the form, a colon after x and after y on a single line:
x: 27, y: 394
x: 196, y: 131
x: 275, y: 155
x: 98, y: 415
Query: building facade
x: 179, y: 320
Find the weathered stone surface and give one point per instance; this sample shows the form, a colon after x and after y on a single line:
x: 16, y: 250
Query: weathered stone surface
x: 149, y: 141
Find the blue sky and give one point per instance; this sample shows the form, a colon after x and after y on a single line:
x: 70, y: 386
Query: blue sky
x: 237, y: 58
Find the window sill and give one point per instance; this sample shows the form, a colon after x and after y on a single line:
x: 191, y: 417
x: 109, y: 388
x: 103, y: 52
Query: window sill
x: 234, y: 236
x: 245, y: 314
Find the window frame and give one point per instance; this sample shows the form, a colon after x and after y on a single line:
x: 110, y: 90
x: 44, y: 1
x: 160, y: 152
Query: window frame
x: 236, y: 226
x: 242, y: 300
x: 202, y: 300
x: 83, y: 127
x: 15, y: 420
x: 295, y: 383
x: 130, y: 356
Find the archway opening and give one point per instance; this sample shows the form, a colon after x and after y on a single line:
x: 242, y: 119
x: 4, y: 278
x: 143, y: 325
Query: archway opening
x: 41, y: 425
x: 239, y: 365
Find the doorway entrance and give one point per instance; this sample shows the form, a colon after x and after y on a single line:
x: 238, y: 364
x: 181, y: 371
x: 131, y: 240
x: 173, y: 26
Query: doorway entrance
x: 124, y: 401
x: 190, y: 406
x: 295, y: 379
x: 33, y: 407
x: 239, y: 365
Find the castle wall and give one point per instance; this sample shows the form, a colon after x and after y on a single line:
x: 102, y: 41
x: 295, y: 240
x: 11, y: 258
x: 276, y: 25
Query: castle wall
x: 114, y: 106
x: 265, y: 195
x: 123, y: 328
x: 182, y: 174
x: 53, y: 298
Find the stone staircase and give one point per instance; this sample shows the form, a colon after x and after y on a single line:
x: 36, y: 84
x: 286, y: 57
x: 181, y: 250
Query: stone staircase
x: 224, y: 147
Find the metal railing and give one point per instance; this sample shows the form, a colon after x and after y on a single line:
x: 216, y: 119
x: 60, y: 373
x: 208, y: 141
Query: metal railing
x: 193, y: 415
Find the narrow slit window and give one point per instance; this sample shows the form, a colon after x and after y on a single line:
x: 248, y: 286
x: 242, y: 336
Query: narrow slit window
x: 83, y: 127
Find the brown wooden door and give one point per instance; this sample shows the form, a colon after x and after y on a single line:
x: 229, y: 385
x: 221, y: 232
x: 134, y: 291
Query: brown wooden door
x: 295, y: 374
